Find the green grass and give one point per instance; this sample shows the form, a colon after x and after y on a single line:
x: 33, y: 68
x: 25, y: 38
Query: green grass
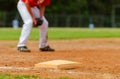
x: 78, y: 33
x: 62, y: 33
x: 8, y: 76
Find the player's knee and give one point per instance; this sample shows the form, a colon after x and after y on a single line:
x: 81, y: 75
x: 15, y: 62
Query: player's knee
x: 44, y: 26
x: 29, y: 22
x: 46, y: 23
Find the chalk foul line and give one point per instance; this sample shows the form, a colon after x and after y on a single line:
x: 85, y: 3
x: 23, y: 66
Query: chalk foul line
x: 106, y: 75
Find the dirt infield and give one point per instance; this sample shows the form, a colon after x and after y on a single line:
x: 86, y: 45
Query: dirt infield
x: 99, y: 58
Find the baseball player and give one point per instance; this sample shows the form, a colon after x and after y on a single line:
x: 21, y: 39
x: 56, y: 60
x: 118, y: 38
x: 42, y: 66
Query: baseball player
x: 32, y: 13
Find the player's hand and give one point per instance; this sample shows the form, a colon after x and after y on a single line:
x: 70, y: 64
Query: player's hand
x: 39, y: 21
x: 34, y: 22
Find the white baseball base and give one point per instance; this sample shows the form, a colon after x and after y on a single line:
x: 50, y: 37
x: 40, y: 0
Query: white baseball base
x: 58, y: 64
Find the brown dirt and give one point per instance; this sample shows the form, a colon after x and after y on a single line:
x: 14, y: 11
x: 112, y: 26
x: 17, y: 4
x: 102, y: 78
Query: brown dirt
x: 99, y: 58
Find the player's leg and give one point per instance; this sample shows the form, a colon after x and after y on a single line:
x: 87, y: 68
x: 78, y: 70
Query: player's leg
x: 44, y: 36
x: 28, y: 23
x: 43, y: 45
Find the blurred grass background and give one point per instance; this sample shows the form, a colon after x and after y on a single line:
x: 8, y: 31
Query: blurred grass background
x: 62, y: 33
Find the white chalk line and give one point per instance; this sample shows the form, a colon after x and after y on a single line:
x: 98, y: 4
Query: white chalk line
x: 15, y: 68
x: 75, y: 72
x: 60, y: 71
x: 51, y: 70
x: 97, y: 75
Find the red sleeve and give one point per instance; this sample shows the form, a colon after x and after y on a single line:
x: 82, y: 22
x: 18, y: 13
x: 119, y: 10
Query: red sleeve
x: 46, y: 2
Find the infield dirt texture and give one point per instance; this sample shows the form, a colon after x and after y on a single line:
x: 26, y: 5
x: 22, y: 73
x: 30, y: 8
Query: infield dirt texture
x: 99, y: 58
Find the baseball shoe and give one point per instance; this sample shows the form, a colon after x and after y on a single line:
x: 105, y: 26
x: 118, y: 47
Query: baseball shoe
x: 23, y: 49
x: 47, y: 48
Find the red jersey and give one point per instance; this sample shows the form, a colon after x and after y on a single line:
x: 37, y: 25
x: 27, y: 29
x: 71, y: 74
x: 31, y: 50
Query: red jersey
x: 35, y: 3
x: 46, y: 2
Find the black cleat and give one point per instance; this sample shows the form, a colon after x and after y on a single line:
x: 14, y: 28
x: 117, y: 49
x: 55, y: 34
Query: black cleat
x: 23, y: 49
x: 47, y: 48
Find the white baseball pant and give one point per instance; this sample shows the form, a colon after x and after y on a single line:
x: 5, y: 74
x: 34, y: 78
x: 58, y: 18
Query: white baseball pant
x: 28, y: 24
